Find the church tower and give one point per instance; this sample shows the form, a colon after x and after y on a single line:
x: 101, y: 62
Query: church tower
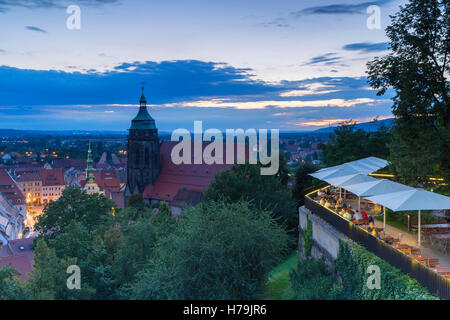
x: 90, y: 187
x: 143, y: 164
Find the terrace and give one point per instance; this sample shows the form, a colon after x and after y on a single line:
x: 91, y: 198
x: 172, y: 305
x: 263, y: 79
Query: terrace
x: 350, y: 212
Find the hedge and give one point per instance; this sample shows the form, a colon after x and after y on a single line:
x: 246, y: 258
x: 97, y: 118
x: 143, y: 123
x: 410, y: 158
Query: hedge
x: 351, y: 265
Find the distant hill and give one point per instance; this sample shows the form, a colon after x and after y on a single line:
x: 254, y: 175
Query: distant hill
x: 366, y: 126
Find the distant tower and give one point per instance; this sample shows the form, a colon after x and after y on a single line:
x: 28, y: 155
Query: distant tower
x: 90, y: 187
x: 143, y: 164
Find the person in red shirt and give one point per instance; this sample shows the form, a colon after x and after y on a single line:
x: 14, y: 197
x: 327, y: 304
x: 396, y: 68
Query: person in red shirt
x: 364, y: 215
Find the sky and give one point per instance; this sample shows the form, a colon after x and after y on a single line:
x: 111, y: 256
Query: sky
x: 284, y: 64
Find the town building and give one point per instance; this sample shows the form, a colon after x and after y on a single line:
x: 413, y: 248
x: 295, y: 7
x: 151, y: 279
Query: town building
x: 31, y: 185
x: 53, y: 185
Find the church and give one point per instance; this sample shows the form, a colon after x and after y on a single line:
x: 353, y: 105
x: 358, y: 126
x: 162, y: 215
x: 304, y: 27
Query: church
x: 151, y: 172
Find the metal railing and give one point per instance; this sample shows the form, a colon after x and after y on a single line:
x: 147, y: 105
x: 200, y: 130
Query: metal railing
x: 433, y: 281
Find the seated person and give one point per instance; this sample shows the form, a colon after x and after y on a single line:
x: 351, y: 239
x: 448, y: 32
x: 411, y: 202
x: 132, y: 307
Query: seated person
x: 320, y: 193
x: 357, y: 216
x: 322, y: 201
x: 344, y: 205
x: 374, y: 232
x: 348, y: 215
x: 365, y: 216
x: 327, y: 204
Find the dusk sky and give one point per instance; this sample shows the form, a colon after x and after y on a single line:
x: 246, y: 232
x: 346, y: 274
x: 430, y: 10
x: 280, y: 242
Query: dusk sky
x: 291, y: 65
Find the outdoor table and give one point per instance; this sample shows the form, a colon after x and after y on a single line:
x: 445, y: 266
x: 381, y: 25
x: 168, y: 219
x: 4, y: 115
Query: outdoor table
x: 434, y: 226
x: 406, y: 248
x: 425, y: 259
x: 389, y: 238
x: 441, y: 236
x: 442, y: 270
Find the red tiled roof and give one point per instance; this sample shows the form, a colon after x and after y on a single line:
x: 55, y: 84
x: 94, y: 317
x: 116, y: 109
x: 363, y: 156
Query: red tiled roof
x: 18, y: 246
x: 65, y: 164
x: 30, y: 176
x: 117, y: 196
x: 52, y: 177
x: 105, y: 179
x: 173, y: 178
x: 10, y: 189
x: 20, y: 262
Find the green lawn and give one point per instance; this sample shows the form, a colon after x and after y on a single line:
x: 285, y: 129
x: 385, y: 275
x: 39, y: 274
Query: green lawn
x: 278, y: 286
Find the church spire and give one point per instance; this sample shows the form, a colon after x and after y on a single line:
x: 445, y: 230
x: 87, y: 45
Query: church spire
x: 90, y: 176
x: 143, y: 120
x: 143, y: 101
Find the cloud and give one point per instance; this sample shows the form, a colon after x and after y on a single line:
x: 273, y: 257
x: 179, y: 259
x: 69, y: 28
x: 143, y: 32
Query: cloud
x: 274, y: 103
x: 367, y: 47
x: 6, y: 5
x: 2, y: 51
x: 167, y: 81
x: 357, y: 8
x: 32, y: 28
x: 278, y: 22
x: 329, y: 59
x: 178, y: 92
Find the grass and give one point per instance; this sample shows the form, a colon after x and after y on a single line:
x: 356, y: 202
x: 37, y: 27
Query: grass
x: 278, y: 286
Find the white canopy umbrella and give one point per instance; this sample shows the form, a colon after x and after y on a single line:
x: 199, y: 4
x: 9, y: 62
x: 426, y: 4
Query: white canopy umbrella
x: 415, y: 199
x: 374, y: 188
x: 349, y: 180
x: 377, y: 161
x: 366, y: 165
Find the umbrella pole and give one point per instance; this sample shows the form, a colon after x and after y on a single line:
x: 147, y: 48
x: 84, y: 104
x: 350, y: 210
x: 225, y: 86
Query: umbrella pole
x: 340, y: 193
x: 419, y: 231
x: 384, y: 219
x: 359, y: 204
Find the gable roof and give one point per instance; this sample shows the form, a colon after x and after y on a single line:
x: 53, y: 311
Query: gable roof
x: 52, y: 177
x: 10, y: 189
x: 19, y: 262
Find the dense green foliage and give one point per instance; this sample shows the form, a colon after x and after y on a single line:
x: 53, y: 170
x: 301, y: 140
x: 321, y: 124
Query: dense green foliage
x: 303, y: 181
x: 10, y: 287
x: 245, y: 182
x: 217, y: 251
x: 348, y: 144
x: 418, y: 70
x: 351, y: 266
x: 313, y: 281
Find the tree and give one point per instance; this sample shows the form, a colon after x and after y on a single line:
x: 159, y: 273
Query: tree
x: 136, y: 201
x: 348, y: 143
x: 245, y: 182
x: 302, y: 181
x: 10, y: 287
x: 92, y: 211
x: 418, y: 70
x: 49, y: 279
x: 217, y: 251
x: 283, y: 170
